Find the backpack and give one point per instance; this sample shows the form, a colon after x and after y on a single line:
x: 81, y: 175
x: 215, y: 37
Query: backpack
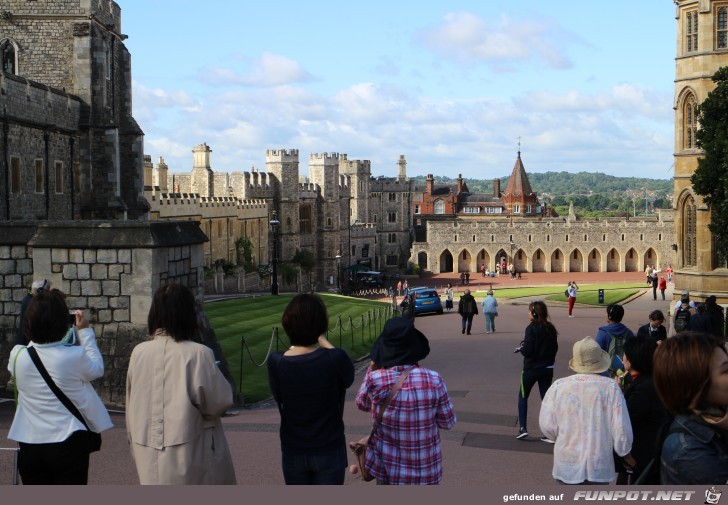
x: 682, y: 318
x: 616, y: 344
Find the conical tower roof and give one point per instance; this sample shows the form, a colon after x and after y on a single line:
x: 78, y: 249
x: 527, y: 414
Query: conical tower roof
x: 518, y: 183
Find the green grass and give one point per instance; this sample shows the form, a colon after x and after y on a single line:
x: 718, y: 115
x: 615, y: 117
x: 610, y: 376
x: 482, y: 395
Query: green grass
x: 585, y: 291
x: 255, y: 320
x: 592, y: 297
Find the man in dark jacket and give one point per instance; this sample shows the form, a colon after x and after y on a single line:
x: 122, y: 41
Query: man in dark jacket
x: 717, y: 317
x: 467, y: 308
x: 654, y: 329
x: 616, y: 331
x: 700, y: 321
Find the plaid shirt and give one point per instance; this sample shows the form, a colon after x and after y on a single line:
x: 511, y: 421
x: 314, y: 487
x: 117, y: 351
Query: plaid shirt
x: 406, y: 447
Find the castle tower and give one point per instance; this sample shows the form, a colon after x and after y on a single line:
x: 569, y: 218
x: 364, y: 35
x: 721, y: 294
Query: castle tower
x: 160, y: 175
x: 282, y: 165
x: 202, y: 176
x: 702, y: 48
x: 360, y: 172
x: 518, y: 197
x: 402, y: 168
x: 324, y: 171
x: 79, y: 47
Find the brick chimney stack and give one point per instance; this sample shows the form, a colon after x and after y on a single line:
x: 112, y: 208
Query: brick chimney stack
x: 496, y: 188
x: 430, y: 184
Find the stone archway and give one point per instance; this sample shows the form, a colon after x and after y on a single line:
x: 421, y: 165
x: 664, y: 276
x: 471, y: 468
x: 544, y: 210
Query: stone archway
x: 483, y: 258
x: 422, y: 261
x: 446, y: 262
x: 520, y: 261
x: 499, y: 257
x: 651, y: 259
x: 632, y: 261
x: 538, y: 261
x: 594, y: 263
x: 576, y: 261
x: 614, y: 259
x: 557, y: 261
x: 465, y: 261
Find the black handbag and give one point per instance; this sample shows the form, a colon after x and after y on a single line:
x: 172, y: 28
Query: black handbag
x: 90, y: 440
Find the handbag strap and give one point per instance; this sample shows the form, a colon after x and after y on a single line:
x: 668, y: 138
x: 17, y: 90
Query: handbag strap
x: 56, y: 390
x: 391, y: 395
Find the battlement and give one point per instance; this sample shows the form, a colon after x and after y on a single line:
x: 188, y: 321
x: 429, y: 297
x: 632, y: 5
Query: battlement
x: 107, y: 13
x: 324, y: 157
x: 35, y: 102
x: 283, y: 155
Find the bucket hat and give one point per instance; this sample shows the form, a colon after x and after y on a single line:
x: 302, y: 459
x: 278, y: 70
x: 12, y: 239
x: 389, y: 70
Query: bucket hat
x: 400, y: 343
x: 588, y: 357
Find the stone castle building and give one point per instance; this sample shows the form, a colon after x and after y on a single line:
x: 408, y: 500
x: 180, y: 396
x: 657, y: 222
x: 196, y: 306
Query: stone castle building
x: 702, y: 48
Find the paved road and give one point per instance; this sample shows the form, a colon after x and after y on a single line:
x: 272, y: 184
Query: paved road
x: 481, y: 373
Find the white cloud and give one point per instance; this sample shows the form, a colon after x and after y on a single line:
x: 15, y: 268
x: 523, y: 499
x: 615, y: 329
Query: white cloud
x: 466, y: 37
x: 268, y: 70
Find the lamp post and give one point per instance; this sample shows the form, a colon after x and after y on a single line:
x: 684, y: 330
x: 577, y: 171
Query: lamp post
x: 274, y: 223
x: 338, y: 272
x: 513, y: 246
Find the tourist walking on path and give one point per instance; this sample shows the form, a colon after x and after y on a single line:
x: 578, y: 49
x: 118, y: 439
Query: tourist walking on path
x: 662, y: 287
x: 691, y: 377
x: 612, y: 336
x: 654, y: 330
x: 467, y: 308
x: 586, y: 415
x: 539, y: 349
x: 175, y: 396
x: 490, y: 311
x: 655, y: 282
x: 571, y: 291
x: 668, y: 271
x: 648, y: 274
x: 399, y: 288
x: 646, y: 413
x: 406, y: 448
x: 52, y: 440
x: 448, y: 297
x: 309, y: 383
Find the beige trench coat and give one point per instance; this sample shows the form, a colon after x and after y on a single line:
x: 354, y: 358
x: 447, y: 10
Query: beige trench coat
x: 175, y: 395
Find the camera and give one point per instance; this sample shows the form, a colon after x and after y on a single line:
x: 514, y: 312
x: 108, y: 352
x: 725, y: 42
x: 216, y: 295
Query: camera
x: 72, y: 317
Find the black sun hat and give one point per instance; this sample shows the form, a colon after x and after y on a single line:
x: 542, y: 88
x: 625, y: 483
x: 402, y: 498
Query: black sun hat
x: 400, y: 343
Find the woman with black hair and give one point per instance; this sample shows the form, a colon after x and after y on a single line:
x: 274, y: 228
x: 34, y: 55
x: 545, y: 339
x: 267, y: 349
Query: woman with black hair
x: 309, y: 383
x: 539, y: 349
x: 175, y: 396
x: 50, y: 436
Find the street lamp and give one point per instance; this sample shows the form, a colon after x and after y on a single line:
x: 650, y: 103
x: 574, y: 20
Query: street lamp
x: 274, y: 224
x: 338, y: 271
x: 513, y: 246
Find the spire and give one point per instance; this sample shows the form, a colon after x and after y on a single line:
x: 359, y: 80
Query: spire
x: 518, y: 183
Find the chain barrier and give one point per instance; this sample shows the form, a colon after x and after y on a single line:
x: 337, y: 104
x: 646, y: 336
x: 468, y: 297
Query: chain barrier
x: 245, y: 347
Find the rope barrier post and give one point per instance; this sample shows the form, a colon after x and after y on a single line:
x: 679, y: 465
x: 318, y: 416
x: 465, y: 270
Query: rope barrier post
x: 362, y: 329
x: 351, y: 327
x: 339, y: 331
x: 242, y: 346
x: 275, y: 332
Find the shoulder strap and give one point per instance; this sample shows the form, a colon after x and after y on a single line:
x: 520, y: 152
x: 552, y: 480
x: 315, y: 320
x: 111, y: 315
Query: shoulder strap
x: 60, y: 394
x: 391, y: 395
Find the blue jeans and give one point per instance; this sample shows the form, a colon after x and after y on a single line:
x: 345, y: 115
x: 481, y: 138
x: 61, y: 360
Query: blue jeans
x: 489, y: 322
x: 467, y: 321
x: 529, y: 378
x: 325, y: 467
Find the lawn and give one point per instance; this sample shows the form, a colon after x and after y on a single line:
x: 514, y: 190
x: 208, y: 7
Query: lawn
x: 613, y: 293
x: 354, y: 323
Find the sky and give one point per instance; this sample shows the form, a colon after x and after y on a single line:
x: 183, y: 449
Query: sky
x: 453, y: 86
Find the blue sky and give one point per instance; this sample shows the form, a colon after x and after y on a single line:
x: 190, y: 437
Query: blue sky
x: 587, y: 86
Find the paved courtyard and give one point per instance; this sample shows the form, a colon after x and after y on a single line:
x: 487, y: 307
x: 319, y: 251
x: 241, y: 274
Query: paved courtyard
x: 481, y: 372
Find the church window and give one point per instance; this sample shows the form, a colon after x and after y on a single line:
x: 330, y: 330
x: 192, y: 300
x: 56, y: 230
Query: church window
x: 721, y: 28
x: 439, y: 207
x: 59, y: 176
x: 305, y: 219
x: 39, y: 176
x: 690, y: 243
x: 691, y: 31
x: 690, y: 122
x: 9, y: 57
x: 15, y: 175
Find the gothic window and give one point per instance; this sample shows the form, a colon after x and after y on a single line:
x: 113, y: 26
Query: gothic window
x: 328, y: 222
x: 690, y: 243
x: 15, y: 175
x: 59, y: 176
x: 39, y: 176
x: 439, y: 207
x: 721, y: 28
x: 392, y: 197
x: 691, y: 31
x: 9, y: 56
x: 391, y: 238
x: 304, y: 219
x: 392, y: 217
x: 690, y: 122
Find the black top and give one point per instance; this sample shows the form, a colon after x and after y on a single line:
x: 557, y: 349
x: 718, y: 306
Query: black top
x: 310, y: 391
x: 657, y: 334
x: 539, y: 346
x: 700, y: 322
x: 467, y: 305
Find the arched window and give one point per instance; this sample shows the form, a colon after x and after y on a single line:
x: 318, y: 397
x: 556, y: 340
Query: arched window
x: 439, y: 207
x: 721, y: 28
x: 690, y: 122
x: 9, y: 51
x: 690, y: 243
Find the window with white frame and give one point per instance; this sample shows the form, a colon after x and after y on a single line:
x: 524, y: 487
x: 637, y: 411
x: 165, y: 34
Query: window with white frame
x: 472, y: 210
x: 439, y: 207
x: 528, y: 209
x: 516, y: 209
x: 418, y: 209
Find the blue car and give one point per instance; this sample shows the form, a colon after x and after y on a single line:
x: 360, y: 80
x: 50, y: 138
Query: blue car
x: 426, y: 300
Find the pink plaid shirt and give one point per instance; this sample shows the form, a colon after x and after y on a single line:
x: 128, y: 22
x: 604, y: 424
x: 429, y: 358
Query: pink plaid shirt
x: 406, y: 447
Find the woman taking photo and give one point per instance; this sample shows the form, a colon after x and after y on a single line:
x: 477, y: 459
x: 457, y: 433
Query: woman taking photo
x: 51, y: 439
x: 539, y: 349
x: 175, y: 395
x: 309, y: 382
x: 571, y: 291
x: 691, y: 377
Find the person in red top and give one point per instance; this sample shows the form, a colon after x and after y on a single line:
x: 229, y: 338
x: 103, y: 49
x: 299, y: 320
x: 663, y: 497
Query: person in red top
x: 662, y: 286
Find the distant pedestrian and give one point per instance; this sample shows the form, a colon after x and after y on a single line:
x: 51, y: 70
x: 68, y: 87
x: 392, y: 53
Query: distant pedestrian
x: 655, y: 281
x: 467, y: 278
x: 572, y: 290
x: 448, y: 297
x: 399, y: 288
x: 539, y: 348
x: 648, y: 274
x: 503, y: 265
x: 462, y: 278
x: 662, y: 286
x: 467, y: 308
x: 668, y: 271
x: 482, y: 269
x: 654, y: 329
x: 490, y: 311
x: 717, y: 317
x: 405, y: 287
x: 408, y: 307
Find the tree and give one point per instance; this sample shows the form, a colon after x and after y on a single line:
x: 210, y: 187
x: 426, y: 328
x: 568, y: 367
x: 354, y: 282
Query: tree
x: 710, y: 179
x: 288, y: 272
x: 306, y: 261
x: 244, y: 254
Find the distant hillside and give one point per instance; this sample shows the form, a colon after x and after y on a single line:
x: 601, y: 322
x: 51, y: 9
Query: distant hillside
x: 590, y: 192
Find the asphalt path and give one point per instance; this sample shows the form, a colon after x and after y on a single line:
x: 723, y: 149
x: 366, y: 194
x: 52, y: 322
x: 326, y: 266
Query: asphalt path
x: 482, y: 376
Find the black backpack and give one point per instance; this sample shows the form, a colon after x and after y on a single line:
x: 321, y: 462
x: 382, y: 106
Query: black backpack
x: 682, y: 318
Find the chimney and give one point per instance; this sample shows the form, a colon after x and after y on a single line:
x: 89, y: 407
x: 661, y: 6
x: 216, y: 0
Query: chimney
x: 496, y: 188
x: 460, y: 184
x: 430, y: 184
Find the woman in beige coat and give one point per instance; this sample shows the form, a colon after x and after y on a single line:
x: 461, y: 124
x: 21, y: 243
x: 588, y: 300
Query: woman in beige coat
x: 175, y: 395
